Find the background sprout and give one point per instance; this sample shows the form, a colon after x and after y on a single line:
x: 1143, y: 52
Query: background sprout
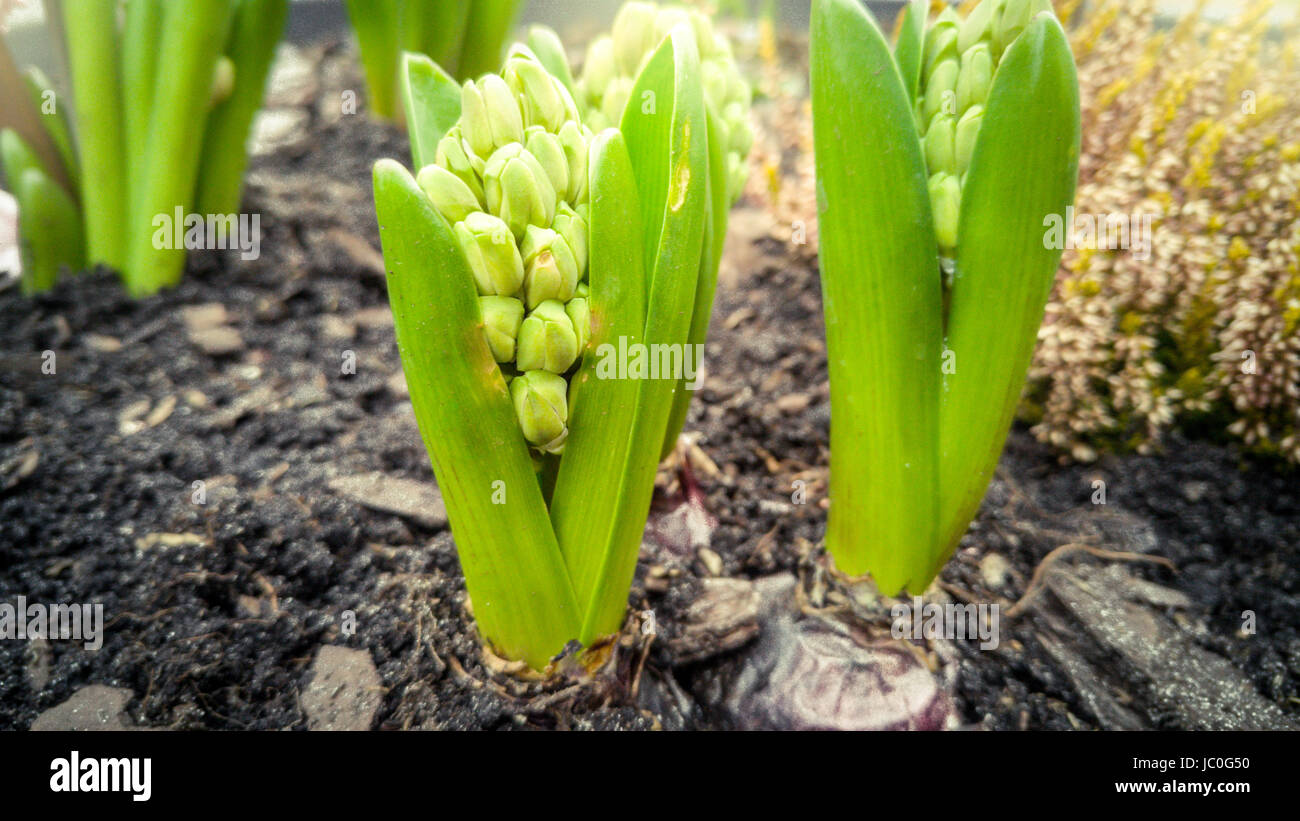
x: 161, y: 109
x: 465, y: 38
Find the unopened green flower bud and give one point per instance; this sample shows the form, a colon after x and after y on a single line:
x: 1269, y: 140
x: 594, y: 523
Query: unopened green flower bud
x: 978, y: 25
x: 737, y: 175
x: 583, y: 291
x: 502, y: 316
x: 940, y: 147
x: 493, y: 257
x: 518, y: 189
x: 945, y: 205
x: 968, y: 129
x: 547, y: 340
x: 489, y: 115
x: 550, y: 267
x: 573, y: 139
x: 617, y: 93
x: 1015, y: 18
x: 597, y: 121
x: 600, y: 68
x: 716, y: 86
x: 976, y: 77
x: 452, y: 155
x: 549, y: 151
x: 449, y: 193
x: 542, y: 407
x: 580, y: 313
x: 223, y: 80
x: 538, y: 92
x: 634, y: 33
x: 941, y: 90
x: 740, y: 136
x: 570, y: 225
x: 705, y: 39
x: 940, y: 44
x: 668, y: 19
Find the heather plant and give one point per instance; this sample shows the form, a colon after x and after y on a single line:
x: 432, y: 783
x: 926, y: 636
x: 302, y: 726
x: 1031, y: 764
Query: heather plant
x: 1193, y: 131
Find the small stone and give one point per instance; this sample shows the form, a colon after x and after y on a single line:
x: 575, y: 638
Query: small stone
x: 345, y: 691
x: 96, y: 707
x: 252, y: 607
x: 1195, y: 492
x: 278, y: 127
x: 421, y: 502
x: 994, y: 568
x: 37, y: 670
x: 294, y: 78
x: 336, y: 328
x: 205, y: 316
x: 103, y: 344
x: 217, y: 341
x: 397, y: 385
x: 793, y: 403
x: 378, y: 318
x: 196, y: 399
x: 712, y: 561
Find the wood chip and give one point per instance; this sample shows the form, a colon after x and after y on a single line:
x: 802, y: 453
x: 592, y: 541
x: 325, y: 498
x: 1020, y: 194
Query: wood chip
x: 421, y: 502
x: 103, y: 344
x: 361, y: 252
x: 218, y: 341
x: 166, y: 540
x: 161, y: 411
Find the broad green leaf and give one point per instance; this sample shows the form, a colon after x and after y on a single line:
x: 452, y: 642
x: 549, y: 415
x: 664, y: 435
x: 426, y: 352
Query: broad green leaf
x: 909, y: 49
x: 1024, y: 170
x: 253, y: 37
x: 667, y: 141
x: 431, y: 98
x: 881, y: 294
x: 715, y: 236
x: 517, y: 580
x: 592, y: 508
x: 377, y: 26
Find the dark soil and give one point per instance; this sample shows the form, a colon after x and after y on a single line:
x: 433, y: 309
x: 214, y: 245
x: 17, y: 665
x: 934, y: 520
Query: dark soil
x: 219, y: 631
